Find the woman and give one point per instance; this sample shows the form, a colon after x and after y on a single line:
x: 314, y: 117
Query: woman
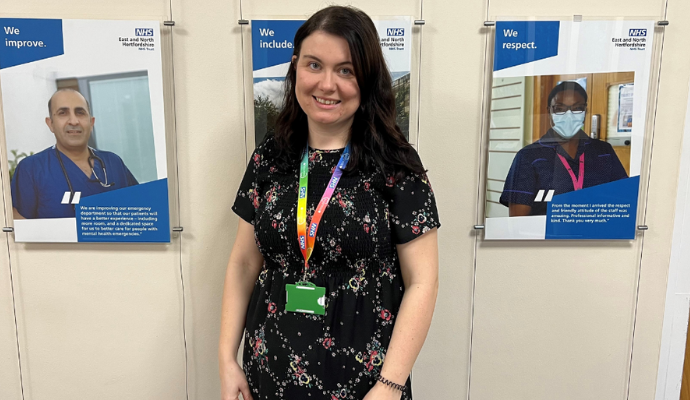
x: 349, y: 322
x: 557, y: 162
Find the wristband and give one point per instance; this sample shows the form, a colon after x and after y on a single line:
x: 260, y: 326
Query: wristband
x: 395, y: 386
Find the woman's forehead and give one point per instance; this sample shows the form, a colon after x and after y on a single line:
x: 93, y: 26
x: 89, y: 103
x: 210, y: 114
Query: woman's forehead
x: 324, y: 46
x: 568, y: 97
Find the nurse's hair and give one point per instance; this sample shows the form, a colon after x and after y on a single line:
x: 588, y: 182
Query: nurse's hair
x: 375, y: 138
x: 566, y: 86
x: 50, y: 101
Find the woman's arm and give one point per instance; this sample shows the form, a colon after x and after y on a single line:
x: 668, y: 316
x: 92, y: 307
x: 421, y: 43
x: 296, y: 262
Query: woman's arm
x: 243, y: 270
x: 419, y: 265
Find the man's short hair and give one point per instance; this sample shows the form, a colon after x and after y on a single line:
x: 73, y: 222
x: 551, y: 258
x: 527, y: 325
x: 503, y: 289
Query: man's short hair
x: 565, y: 86
x: 50, y: 101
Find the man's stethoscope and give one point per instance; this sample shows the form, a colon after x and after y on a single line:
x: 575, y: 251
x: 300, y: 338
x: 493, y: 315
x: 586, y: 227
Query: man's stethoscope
x: 92, y: 162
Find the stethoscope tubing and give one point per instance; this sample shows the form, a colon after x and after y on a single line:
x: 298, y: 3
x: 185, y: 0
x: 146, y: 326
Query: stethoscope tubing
x: 94, y: 157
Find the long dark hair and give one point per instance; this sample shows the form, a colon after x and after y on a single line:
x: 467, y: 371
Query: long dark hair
x: 375, y: 139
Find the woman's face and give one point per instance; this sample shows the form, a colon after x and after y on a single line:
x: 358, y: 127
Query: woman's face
x: 326, y: 86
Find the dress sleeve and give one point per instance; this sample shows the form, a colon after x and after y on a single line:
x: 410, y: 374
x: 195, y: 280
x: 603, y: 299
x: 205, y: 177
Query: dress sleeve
x: 519, y: 187
x: 412, y: 207
x: 248, y: 199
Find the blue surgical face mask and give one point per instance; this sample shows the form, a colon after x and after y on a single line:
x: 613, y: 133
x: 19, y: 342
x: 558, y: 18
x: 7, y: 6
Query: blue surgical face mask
x: 568, y: 124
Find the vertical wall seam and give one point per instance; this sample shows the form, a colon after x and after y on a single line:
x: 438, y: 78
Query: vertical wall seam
x: 419, y: 74
x: 14, y: 313
x: 646, y: 205
x: 179, y: 214
x: 477, y: 202
x: 244, y: 90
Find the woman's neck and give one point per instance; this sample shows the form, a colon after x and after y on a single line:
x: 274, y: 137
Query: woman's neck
x: 328, y: 139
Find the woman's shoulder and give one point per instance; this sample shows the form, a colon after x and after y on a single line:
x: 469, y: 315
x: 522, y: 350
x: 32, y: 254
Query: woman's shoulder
x: 267, y: 146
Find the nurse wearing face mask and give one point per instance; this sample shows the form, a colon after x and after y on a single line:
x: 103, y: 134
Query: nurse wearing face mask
x: 563, y: 160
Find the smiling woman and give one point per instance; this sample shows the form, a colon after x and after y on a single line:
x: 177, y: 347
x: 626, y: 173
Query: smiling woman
x: 334, y: 294
x: 326, y: 89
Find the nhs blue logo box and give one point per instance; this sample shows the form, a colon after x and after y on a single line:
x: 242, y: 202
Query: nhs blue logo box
x: 395, y: 32
x: 637, y: 32
x: 143, y: 31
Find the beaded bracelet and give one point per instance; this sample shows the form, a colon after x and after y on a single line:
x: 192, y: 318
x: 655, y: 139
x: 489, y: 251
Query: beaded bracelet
x: 395, y: 386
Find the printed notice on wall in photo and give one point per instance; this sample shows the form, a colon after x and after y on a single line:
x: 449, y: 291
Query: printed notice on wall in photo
x: 85, y: 130
x: 272, y: 50
x: 566, y: 132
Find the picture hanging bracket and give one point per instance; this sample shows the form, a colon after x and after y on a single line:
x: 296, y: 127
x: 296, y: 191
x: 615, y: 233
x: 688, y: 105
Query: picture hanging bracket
x: 577, y: 18
x: 662, y: 23
x: 419, y: 22
x: 169, y: 23
x: 489, y: 23
x: 243, y: 22
x: 478, y: 227
x: 177, y: 229
x: 642, y: 228
x: 8, y: 229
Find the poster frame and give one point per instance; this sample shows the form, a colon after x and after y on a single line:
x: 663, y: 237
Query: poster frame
x: 646, y: 160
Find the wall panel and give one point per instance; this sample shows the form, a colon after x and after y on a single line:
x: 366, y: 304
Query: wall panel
x: 551, y: 320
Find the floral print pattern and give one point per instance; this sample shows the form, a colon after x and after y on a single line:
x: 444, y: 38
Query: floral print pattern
x: 336, y: 356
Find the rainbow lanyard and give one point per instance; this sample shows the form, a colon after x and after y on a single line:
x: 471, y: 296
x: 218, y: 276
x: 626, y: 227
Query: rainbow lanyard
x: 306, y: 241
x: 577, y: 182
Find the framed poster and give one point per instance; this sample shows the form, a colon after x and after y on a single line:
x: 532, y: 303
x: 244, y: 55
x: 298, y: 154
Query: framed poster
x: 272, y: 49
x: 564, y: 157
x: 85, y: 130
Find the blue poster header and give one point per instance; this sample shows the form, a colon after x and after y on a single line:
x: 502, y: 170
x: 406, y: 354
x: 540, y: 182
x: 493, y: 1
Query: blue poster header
x: 521, y: 42
x: 273, y: 42
x: 28, y: 40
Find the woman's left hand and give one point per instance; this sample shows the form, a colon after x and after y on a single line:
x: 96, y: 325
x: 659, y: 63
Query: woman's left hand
x: 382, y: 392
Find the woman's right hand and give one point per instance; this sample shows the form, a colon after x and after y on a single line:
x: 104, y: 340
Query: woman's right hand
x: 233, y: 382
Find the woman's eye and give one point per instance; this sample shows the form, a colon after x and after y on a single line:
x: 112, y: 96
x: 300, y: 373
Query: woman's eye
x: 313, y: 65
x: 346, y: 71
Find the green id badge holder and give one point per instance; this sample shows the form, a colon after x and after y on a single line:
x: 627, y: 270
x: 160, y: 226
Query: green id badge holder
x: 305, y: 297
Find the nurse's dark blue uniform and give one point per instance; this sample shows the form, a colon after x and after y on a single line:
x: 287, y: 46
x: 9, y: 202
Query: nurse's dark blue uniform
x: 39, y: 184
x: 537, y: 167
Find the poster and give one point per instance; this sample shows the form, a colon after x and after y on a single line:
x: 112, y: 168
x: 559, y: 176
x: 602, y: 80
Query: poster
x: 625, y: 107
x: 85, y: 130
x: 272, y: 49
x: 564, y: 156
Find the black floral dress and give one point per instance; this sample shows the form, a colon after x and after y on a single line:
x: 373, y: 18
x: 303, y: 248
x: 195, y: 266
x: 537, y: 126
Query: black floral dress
x: 337, y: 355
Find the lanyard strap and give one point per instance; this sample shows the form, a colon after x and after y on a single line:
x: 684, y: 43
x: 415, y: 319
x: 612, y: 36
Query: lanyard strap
x: 577, y: 182
x: 306, y: 241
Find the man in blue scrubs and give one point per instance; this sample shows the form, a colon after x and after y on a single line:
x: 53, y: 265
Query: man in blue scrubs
x: 50, y: 183
x: 563, y: 160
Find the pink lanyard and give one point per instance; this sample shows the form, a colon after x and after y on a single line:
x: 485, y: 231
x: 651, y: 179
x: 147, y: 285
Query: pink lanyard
x: 579, y: 180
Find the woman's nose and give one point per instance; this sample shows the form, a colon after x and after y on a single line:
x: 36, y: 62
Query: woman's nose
x: 327, y: 83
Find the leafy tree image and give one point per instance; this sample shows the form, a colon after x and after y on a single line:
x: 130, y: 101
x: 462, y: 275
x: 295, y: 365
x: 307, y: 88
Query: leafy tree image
x: 265, y: 115
x: 401, y: 89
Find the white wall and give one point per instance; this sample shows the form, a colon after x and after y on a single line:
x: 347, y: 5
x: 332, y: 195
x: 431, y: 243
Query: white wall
x: 552, y: 320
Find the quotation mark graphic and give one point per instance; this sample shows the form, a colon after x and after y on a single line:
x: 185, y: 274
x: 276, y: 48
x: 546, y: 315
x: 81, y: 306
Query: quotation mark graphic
x: 75, y: 199
x: 540, y: 196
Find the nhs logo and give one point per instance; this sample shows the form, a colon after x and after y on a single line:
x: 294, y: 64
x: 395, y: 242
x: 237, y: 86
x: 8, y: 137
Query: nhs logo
x: 143, y: 31
x: 396, y: 32
x: 302, y: 192
x: 637, y: 32
x: 302, y: 243
x: 312, y: 230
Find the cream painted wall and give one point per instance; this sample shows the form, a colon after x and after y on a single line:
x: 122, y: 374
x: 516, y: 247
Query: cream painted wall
x: 105, y: 321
